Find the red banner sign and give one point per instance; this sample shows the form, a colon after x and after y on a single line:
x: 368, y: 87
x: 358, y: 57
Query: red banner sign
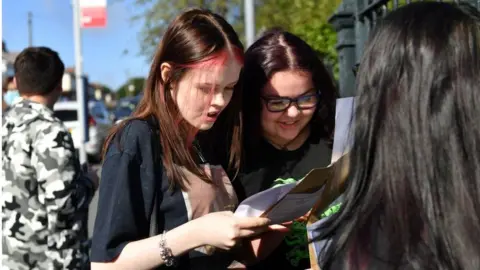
x: 93, y: 13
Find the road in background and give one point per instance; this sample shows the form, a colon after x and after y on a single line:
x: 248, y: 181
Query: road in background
x: 92, y: 213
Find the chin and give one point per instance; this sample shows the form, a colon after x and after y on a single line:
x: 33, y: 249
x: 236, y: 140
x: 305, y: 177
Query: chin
x: 288, y: 138
x: 289, y: 135
x: 205, y: 126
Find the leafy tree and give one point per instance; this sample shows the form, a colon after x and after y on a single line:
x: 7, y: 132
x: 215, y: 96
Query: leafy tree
x: 157, y: 14
x: 136, y: 84
x: 103, y: 87
x: 305, y: 18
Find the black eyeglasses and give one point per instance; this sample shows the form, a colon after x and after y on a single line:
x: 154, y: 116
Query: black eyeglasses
x: 280, y: 104
x: 355, y: 69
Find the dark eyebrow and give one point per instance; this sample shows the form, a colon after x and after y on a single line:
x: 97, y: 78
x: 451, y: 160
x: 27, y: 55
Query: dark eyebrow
x: 301, y: 95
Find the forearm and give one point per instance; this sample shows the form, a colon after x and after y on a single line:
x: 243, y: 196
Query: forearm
x: 145, y: 254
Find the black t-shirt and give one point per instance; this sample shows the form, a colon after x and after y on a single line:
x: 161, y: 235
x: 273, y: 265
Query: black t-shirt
x: 130, y: 178
x: 268, y: 167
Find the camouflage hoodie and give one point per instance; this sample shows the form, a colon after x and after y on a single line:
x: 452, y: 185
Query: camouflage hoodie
x: 45, y: 195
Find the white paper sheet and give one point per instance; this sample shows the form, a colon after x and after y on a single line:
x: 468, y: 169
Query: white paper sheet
x: 257, y: 204
x: 296, y: 204
x: 287, y: 202
x: 342, y: 140
x: 293, y: 206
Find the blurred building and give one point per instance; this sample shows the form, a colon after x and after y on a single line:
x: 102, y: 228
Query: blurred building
x: 101, y: 92
x: 69, y: 85
x: 95, y: 91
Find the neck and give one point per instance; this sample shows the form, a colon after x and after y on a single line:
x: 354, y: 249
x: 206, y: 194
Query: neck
x: 40, y: 99
x: 291, y: 145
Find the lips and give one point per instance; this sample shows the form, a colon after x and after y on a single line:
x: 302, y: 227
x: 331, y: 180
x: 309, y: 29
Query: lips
x: 212, y: 116
x: 288, y: 124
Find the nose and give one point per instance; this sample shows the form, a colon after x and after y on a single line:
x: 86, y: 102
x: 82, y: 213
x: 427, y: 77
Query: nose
x: 218, y: 100
x: 293, y: 111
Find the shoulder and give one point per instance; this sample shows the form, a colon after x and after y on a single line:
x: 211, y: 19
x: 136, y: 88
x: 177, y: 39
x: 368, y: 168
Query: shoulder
x: 29, y: 114
x: 35, y: 125
x: 134, y: 138
x: 48, y: 126
x: 47, y: 130
x: 137, y: 127
x: 130, y: 150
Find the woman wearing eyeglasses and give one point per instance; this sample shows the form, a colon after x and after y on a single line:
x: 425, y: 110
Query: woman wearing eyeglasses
x: 289, y: 116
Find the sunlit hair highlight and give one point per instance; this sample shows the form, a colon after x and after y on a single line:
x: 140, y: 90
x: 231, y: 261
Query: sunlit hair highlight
x: 195, y: 39
x: 413, y: 197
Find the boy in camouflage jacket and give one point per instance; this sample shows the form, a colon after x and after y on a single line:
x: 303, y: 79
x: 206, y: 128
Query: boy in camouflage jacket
x: 45, y: 194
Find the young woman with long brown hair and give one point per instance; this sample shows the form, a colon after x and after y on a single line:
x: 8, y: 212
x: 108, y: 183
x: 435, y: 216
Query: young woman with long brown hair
x: 153, y: 160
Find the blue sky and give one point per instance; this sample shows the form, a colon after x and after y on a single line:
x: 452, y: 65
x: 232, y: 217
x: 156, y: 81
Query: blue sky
x: 103, y: 49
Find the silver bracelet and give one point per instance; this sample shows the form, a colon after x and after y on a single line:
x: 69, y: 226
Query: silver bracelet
x: 165, y: 252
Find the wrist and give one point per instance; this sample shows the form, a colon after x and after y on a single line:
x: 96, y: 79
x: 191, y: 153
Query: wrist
x: 195, y: 229
x: 189, y: 233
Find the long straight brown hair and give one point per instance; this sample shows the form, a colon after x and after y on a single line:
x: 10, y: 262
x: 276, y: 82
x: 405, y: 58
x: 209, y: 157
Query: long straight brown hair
x: 195, y: 36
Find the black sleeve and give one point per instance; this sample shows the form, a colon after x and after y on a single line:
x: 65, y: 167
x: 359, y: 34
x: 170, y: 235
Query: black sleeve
x: 125, y: 194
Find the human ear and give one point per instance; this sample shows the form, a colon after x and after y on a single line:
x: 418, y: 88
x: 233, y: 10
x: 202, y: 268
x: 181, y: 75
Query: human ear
x: 166, y: 71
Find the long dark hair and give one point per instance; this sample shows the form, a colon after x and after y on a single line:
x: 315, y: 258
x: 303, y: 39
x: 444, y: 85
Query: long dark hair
x: 193, y: 37
x: 415, y: 178
x: 280, y: 51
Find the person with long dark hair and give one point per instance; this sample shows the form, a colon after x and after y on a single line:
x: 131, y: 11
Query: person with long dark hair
x: 154, y: 171
x: 413, y: 197
x: 289, y: 116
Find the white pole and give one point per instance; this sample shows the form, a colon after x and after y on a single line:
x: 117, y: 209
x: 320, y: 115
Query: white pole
x: 79, y: 80
x: 249, y: 21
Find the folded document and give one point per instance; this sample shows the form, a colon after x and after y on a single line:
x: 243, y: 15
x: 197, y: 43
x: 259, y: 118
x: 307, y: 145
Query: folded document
x: 291, y: 201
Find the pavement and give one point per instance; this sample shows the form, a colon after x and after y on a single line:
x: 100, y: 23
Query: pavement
x: 92, y: 213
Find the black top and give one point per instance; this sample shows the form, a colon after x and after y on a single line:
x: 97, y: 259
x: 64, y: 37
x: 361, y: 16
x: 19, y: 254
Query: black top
x: 130, y: 176
x: 268, y: 167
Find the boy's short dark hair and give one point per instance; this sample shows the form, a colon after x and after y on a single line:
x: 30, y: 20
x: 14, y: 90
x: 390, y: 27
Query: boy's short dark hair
x: 38, y: 71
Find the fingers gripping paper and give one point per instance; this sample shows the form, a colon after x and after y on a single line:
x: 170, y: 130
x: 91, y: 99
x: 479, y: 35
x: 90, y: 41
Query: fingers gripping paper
x: 288, y: 202
x: 314, y: 193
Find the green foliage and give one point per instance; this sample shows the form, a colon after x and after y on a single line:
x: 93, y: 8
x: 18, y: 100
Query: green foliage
x: 104, y: 88
x: 124, y: 90
x: 306, y: 18
x: 100, y: 86
x: 157, y: 14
